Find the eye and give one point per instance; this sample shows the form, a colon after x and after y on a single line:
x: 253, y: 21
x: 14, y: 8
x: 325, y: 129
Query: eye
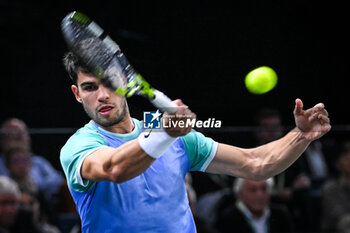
x: 90, y: 87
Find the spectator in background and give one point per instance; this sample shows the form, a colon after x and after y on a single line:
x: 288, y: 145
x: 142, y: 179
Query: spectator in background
x: 18, y: 162
x: 336, y: 196
x: 14, y: 133
x: 13, y: 219
x: 252, y: 211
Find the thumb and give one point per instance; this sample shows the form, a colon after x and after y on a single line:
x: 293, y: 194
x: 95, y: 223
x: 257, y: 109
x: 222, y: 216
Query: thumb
x: 298, y: 107
x: 178, y: 102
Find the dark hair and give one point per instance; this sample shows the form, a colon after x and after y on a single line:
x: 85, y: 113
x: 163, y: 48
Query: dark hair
x: 94, y: 51
x: 73, y: 66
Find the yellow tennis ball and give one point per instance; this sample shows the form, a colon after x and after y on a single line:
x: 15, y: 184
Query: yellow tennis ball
x: 261, y: 80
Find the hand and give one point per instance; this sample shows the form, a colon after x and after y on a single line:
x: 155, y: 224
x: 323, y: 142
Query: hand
x: 175, y: 124
x: 313, y: 122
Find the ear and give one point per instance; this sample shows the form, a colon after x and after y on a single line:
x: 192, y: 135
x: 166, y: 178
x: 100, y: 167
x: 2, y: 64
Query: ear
x: 76, y: 93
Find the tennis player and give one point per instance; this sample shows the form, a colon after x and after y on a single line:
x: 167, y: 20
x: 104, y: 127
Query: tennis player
x: 124, y: 179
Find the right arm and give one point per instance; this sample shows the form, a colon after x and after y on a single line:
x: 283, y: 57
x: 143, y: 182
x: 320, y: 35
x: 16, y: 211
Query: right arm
x: 116, y: 164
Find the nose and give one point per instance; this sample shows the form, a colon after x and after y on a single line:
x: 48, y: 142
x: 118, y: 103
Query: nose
x: 103, y: 93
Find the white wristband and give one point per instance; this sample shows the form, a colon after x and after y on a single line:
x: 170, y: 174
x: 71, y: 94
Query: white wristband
x: 155, y: 143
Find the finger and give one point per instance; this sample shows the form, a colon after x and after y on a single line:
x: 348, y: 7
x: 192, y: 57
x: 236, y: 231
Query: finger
x: 190, y: 114
x: 320, y: 116
x: 298, y: 110
x: 314, y: 116
x: 326, y: 128
x: 322, y: 111
x: 325, y: 112
x: 323, y: 119
x: 319, y: 106
x: 178, y: 102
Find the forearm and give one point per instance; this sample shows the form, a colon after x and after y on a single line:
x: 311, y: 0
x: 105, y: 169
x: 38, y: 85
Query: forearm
x: 129, y: 161
x: 116, y: 164
x: 273, y: 158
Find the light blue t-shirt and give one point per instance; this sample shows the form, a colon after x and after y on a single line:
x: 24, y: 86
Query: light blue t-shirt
x: 155, y: 201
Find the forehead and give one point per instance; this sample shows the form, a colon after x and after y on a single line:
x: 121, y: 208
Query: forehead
x: 86, y: 77
x: 14, y: 127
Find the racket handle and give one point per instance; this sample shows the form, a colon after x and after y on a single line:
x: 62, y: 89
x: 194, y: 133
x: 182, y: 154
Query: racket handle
x: 163, y: 102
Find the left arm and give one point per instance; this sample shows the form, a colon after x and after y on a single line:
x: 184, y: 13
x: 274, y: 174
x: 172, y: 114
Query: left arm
x: 272, y: 158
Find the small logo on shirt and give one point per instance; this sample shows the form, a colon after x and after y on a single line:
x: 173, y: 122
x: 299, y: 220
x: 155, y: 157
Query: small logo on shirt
x: 147, y: 135
x: 152, y: 120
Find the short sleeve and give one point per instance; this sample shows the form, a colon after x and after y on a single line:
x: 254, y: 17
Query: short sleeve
x: 200, y: 149
x: 73, y: 153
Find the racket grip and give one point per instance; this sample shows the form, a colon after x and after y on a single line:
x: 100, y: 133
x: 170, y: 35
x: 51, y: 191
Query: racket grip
x: 163, y: 102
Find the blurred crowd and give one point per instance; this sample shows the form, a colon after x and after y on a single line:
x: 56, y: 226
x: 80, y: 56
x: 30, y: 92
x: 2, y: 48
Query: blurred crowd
x: 313, y: 195
x: 32, y: 191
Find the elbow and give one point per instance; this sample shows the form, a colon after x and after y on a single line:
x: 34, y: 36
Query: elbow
x: 258, y: 173
x: 257, y: 170
x: 117, y: 175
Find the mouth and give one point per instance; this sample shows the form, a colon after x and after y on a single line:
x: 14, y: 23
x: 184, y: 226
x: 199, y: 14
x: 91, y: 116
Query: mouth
x: 105, y: 110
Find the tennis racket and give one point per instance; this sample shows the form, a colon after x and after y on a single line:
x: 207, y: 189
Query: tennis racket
x: 106, y: 61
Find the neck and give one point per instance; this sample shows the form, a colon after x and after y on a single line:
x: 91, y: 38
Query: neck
x: 126, y: 125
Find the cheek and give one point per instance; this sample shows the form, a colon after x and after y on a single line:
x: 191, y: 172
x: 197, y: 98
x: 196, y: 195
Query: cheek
x: 88, y: 100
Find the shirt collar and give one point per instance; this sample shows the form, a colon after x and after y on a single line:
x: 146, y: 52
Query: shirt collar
x: 127, y: 136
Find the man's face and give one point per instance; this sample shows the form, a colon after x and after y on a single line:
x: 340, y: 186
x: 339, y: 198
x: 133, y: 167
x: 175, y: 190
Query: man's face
x: 19, y: 165
x: 100, y: 103
x: 255, y: 195
x: 15, y: 135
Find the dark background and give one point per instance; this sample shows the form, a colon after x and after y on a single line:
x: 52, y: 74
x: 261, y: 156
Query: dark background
x: 199, y: 51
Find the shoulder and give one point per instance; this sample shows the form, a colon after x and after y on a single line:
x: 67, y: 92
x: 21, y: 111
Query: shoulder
x: 200, y: 150
x: 89, y: 130
x: 196, y: 139
x: 85, y: 135
x: 84, y: 140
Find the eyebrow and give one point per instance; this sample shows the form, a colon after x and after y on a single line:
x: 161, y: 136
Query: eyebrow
x: 87, y: 84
